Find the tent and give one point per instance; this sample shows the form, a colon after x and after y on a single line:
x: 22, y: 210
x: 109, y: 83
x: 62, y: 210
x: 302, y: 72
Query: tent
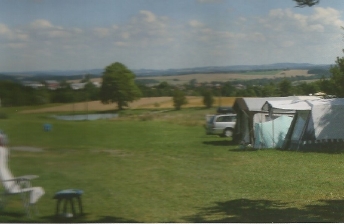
x: 271, y: 134
x: 317, y: 123
x: 249, y: 112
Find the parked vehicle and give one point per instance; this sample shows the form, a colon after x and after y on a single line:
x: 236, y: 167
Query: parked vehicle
x: 225, y: 110
x: 222, y: 125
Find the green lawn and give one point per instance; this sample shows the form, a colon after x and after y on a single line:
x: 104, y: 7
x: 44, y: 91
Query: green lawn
x: 163, y: 168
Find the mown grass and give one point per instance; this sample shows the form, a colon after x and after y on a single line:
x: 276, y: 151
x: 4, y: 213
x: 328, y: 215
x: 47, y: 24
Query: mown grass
x: 165, y: 169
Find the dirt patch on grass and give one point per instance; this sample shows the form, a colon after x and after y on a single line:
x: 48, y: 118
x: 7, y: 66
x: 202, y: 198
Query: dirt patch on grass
x: 112, y: 152
x: 26, y: 149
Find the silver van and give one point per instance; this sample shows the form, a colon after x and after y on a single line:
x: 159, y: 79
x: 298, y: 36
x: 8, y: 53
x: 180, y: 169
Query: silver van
x: 222, y: 125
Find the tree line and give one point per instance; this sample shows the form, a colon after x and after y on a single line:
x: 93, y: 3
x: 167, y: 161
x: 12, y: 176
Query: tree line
x: 119, y: 86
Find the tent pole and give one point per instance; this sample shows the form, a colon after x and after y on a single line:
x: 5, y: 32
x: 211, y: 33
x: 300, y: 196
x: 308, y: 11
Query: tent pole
x: 273, y: 133
x: 246, y: 127
x: 261, y: 130
x: 303, y: 130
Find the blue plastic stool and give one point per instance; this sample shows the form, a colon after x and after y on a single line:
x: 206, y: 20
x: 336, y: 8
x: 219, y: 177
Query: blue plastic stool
x: 67, y: 196
x: 47, y: 127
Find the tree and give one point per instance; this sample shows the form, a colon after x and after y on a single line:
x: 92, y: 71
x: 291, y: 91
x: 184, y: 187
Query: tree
x: 305, y: 88
x: 285, y: 87
x: 179, y: 99
x: 208, y: 99
x: 91, y: 91
x: 118, y: 86
x: 303, y: 3
x: 269, y: 90
x: 227, y: 89
x: 164, y: 89
x: 327, y: 86
x: 338, y: 77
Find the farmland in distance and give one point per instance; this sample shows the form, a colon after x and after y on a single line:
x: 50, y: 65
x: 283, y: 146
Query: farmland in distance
x: 224, y: 77
x: 143, y: 103
x: 218, y: 77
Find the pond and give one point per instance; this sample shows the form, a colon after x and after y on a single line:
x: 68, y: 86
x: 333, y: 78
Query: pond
x: 84, y: 117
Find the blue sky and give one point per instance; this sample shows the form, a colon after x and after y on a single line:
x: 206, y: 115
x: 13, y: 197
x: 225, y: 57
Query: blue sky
x: 38, y: 35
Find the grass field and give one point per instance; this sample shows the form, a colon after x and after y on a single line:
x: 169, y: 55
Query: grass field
x: 161, y: 167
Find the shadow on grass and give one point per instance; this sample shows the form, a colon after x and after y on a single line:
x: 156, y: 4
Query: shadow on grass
x: 220, y: 143
x: 13, y: 217
x: 266, y: 211
x: 243, y: 149
x: 324, y: 150
x: 83, y: 218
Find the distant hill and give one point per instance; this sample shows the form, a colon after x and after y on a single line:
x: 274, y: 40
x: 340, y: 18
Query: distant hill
x: 94, y: 73
x: 228, y: 69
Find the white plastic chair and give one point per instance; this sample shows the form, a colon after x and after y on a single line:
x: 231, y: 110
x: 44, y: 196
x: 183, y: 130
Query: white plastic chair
x: 18, y: 185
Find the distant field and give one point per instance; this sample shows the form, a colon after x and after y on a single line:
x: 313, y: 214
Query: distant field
x: 224, y: 77
x: 220, y: 77
x: 143, y: 103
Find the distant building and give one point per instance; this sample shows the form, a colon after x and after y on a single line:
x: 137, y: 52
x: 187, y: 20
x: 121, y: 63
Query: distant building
x: 239, y: 86
x: 81, y: 85
x: 97, y: 84
x: 77, y: 86
x: 32, y: 84
x: 52, y: 84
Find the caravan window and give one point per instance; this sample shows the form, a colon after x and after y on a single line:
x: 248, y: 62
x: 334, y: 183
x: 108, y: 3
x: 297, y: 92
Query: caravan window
x: 226, y: 119
x: 300, y: 124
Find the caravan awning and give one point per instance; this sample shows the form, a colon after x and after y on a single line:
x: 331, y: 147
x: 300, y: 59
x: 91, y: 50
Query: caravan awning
x: 286, y: 106
x: 254, y: 104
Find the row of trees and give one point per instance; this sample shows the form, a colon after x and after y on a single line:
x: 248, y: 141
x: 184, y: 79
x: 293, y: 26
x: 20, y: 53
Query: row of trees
x: 15, y: 94
x: 119, y: 87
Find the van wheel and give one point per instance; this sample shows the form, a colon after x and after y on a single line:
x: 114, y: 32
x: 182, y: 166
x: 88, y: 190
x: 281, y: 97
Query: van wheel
x: 227, y: 132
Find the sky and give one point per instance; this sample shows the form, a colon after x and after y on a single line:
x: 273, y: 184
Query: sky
x: 44, y: 35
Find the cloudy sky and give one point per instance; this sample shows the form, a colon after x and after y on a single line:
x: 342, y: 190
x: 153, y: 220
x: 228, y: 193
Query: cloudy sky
x: 38, y: 35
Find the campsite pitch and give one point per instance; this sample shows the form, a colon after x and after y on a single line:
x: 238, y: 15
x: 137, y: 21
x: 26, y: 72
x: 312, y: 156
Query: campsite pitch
x: 165, y: 169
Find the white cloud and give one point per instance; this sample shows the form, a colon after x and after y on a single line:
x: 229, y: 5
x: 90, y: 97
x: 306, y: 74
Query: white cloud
x: 317, y: 28
x: 143, y: 30
x: 4, y: 30
x: 327, y: 16
x: 12, y: 35
x: 149, y: 40
x: 287, y: 43
x: 147, y: 16
x: 41, y: 24
x: 59, y: 34
x: 101, y: 32
x: 125, y: 35
x: 121, y: 44
x: 195, y: 24
x: 17, y: 45
x: 209, y: 1
x: 281, y: 35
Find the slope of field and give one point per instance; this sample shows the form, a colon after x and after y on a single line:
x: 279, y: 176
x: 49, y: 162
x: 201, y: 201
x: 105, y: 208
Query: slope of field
x: 219, y: 77
x: 168, y: 171
x: 143, y: 103
x: 224, y: 77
